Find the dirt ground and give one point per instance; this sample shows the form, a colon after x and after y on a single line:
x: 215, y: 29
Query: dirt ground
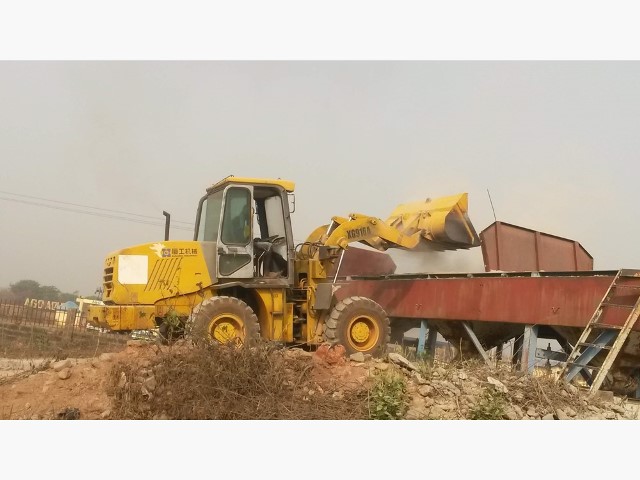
x: 43, y: 395
x: 38, y: 389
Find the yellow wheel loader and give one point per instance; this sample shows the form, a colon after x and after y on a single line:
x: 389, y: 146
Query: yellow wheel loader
x: 242, y: 277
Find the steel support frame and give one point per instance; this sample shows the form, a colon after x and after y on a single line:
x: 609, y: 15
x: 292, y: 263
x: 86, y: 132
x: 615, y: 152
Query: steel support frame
x: 427, y: 340
x: 476, y: 343
x: 589, y: 353
x: 529, y: 347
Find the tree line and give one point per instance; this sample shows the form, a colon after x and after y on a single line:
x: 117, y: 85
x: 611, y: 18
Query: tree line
x: 23, y: 289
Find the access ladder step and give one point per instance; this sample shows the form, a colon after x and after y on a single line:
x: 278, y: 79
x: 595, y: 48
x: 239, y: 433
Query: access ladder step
x: 582, y: 365
x: 617, y: 305
x: 604, y: 325
x: 601, y: 347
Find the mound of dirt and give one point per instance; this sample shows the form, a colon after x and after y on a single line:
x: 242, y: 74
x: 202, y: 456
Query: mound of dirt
x: 151, y: 381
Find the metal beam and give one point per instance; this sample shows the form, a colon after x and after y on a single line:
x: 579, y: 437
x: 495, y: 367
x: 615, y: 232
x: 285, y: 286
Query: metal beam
x: 589, y: 353
x: 551, y: 355
x: 476, y: 343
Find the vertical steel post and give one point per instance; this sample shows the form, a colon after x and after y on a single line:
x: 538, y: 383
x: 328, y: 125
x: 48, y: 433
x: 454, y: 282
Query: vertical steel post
x: 529, y: 345
x: 432, y: 338
x: 421, y: 336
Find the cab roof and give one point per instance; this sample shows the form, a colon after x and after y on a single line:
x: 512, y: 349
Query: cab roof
x: 286, y: 184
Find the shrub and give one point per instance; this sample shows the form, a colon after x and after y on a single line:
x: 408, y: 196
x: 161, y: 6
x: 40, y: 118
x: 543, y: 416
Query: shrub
x: 388, y: 397
x: 490, y: 407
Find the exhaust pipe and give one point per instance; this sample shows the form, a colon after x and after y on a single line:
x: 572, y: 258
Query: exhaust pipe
x: 167, y: 222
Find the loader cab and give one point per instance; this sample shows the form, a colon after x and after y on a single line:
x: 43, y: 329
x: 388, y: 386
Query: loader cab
x: 250, y: 223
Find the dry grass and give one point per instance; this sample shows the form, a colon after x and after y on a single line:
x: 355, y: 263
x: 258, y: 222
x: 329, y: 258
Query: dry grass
x: 223, y: 383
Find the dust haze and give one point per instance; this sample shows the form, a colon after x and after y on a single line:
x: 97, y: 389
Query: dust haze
x: 556, y: 144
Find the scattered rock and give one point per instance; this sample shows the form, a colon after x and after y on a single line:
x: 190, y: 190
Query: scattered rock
x: 415, y: 414
x: 548, y: 416
x: 617, y: 400
x: 462, y: 375
x: 428, y: 401
x: 451, y: 387
x: 64, y: 373
x: 604, y: 395
x: 441, y: 371
x: 381, y: 366
x: 45, y: 388
x: 593, y: 408
x: 498, y: 385
x: 571, y: 389
x: 532, y: 412
x: 357, y: 357
x: 62, y: 364
x: 331, y: 354
x: 519, y: 411
x: 105, y: 414
x: 570, y: 411
x: 69, y: 414
x: 436, y: 412
x: 510, y: 414
x: 425, y: 390
x: 561, y: 415
x: 150, y: 383
x: 400, y: 360
x: 609, y: 415
x: 618, y: 409
x: 419, y: 378
x: 105, y: 357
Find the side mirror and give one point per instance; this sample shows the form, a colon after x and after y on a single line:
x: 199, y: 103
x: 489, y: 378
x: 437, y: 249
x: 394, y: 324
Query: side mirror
x: 292, y: 202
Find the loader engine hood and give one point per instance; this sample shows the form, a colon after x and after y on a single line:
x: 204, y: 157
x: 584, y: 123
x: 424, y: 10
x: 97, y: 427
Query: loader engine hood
x: 147, y: 273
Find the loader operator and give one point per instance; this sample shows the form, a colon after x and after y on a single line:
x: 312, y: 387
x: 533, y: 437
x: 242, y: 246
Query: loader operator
x: 240, y: 231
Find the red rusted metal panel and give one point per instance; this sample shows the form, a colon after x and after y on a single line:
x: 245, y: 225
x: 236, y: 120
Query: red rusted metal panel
x: 507, y: 247
x: 358, y: 261
x: 557, y: 299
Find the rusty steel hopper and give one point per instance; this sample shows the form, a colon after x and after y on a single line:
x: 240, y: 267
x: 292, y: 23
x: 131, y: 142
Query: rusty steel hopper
x: 507, y: 247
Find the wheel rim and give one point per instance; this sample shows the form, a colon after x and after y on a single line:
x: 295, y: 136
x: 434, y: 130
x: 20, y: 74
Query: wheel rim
x: 226, y: 328
x: 363, y: 333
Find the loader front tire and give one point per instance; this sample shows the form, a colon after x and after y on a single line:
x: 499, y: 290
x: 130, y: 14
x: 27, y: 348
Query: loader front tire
x: 224, y: 320
x: 360, y: 325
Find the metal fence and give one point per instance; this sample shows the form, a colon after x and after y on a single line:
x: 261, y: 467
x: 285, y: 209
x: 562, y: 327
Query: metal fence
x: 27, y: 331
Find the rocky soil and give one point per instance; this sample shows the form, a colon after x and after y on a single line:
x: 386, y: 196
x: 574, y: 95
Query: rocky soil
x: 97, y: 388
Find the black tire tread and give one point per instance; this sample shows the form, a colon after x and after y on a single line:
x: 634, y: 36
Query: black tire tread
x: 339, y: 314
x: 203, y: 312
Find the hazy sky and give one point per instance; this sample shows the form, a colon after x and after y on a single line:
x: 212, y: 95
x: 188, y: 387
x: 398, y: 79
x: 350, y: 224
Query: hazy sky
x: 557, y: 144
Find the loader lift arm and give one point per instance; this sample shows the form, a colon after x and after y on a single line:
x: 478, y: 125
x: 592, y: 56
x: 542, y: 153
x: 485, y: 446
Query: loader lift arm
x: 441, y: 224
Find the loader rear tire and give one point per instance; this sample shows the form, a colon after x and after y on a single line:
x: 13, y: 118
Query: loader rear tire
x: 360, y: 325
x: 225, y: 320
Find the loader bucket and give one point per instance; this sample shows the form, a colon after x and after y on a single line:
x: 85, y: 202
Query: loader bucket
x: 443, y: 223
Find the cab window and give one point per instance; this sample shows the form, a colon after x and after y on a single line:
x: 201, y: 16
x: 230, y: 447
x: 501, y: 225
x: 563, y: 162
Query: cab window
x: 236, y: 223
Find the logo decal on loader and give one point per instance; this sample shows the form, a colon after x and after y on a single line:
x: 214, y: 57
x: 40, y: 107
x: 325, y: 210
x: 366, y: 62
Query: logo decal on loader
x: 358, y: 232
